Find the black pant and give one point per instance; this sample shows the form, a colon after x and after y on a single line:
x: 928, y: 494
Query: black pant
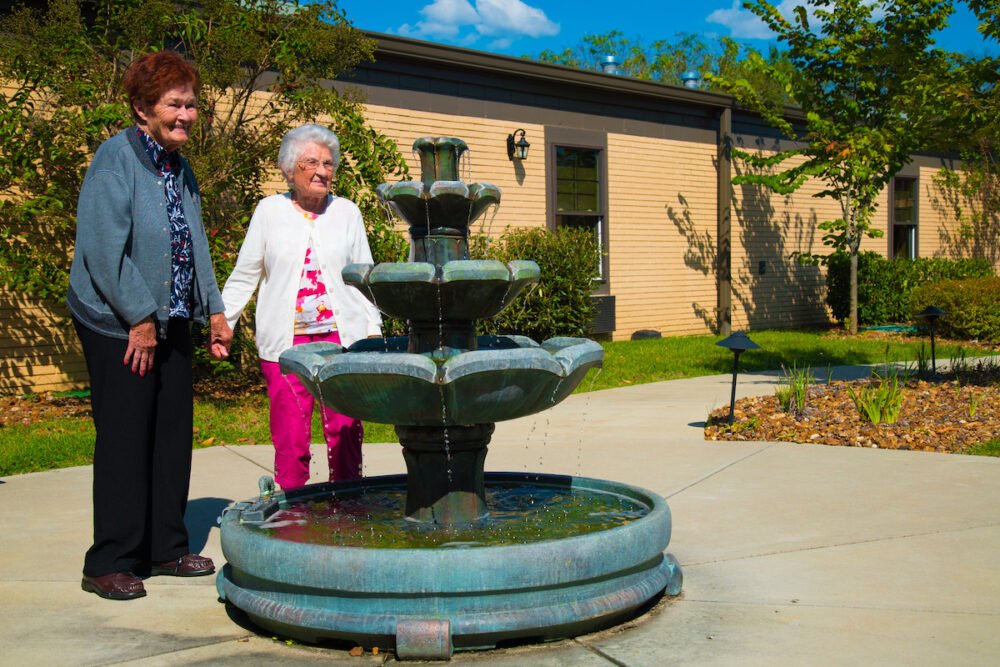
x: 142, y: 457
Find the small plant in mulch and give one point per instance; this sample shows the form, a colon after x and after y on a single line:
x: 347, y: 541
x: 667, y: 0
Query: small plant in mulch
x: 880, y: 400
x: 793, y: 389
x: 722, y: 422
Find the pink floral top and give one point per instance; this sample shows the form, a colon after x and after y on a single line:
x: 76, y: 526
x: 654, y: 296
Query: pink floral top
x: 313, y: 309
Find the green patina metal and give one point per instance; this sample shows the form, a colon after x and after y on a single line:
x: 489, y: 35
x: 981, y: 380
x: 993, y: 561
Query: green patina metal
x: 444, y: 388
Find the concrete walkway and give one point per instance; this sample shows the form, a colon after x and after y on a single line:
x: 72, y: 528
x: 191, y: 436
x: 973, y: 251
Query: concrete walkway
x: 792, y: 554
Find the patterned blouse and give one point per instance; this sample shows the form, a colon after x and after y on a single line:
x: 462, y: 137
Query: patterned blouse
x: 181, y: 254
x: 313, y: 309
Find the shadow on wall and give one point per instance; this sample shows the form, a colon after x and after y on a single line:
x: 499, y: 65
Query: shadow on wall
x: 39, y: 350
x: 700, y: 255
x: 769, y: 286
x: 977, y: 233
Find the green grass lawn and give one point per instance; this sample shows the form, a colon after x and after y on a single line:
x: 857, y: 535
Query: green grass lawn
x: 641, y: 361
x: 51, y: 444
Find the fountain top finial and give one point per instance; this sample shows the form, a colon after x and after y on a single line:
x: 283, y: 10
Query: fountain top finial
x: 439, y: 158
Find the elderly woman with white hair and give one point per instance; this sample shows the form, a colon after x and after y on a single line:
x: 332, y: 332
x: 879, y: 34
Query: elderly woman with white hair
x: 295, y: 248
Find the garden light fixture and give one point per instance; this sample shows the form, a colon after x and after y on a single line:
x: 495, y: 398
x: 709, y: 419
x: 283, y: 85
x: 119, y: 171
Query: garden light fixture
x: 930, y: 315
x: 739, y: 342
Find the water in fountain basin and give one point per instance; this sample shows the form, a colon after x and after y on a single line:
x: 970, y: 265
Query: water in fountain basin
x: 519, y: 513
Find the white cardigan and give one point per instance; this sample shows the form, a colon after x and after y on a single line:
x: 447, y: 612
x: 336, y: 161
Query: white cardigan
x: 272, y: 255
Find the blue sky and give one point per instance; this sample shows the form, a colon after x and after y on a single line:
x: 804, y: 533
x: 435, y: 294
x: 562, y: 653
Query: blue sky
x: 526, y: 27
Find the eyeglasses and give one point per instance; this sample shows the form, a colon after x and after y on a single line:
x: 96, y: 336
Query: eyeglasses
x: 312, y: 164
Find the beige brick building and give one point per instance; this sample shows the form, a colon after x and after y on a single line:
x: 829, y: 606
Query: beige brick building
x: 643, y: 164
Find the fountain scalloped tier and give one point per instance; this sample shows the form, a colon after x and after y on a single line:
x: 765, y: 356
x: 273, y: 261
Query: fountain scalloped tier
x: 506, y: 378
x: 443, y: 204
x: 456, y: 290
x: 425, y: 602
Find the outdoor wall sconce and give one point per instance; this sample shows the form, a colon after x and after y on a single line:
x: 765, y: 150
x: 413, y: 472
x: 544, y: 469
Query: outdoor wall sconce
x: 930, y: 314
x: 739, y: 342
x: 517, y: 149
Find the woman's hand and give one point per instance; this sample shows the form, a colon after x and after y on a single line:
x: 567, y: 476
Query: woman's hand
x: 141, y: 344
x: 220, y: 336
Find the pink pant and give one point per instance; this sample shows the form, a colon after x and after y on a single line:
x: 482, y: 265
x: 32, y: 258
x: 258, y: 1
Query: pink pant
x: 291, y: 427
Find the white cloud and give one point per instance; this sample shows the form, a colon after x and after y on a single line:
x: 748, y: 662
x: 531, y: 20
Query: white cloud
x: 744, y: 24
x: 741, y: 22
x: 504, y: 20
x: 513, y: 17
x: 450, y: 12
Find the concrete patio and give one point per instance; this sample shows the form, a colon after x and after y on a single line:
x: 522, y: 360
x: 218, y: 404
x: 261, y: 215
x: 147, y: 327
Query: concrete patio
x: 792, y: 554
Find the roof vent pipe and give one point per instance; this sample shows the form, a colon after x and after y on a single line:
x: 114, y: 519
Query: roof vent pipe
x: 691, y: 79
x: 610, y: 65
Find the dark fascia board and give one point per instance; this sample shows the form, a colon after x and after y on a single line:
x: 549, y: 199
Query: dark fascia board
x: 393, y: 46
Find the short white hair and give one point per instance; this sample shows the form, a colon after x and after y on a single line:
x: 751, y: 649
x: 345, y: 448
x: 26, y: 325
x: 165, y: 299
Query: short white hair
x: 295, y: 141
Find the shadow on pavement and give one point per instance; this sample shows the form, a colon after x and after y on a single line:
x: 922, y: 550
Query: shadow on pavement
x: 202, y: 515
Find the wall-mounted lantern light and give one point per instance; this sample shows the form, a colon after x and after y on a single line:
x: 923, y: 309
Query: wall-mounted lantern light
x: 739, y: 342
x: 517, y: 149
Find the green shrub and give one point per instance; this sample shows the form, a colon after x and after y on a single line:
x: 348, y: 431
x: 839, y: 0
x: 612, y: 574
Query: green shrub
x: 560, y: 304
x: 885, y: 286
x: 973, y: 307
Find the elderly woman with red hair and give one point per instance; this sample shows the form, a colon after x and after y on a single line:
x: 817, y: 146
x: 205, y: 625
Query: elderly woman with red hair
x: 141, y: 275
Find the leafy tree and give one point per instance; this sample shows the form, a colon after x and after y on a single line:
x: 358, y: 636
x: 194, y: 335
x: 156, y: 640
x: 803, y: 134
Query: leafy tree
x: 667, y: 60
x: 263, y: 65
x: 972, y: 125
x: 870, y: 87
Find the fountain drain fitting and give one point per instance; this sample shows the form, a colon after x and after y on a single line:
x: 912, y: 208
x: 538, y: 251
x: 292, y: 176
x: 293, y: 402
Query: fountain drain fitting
x: 423, y: 639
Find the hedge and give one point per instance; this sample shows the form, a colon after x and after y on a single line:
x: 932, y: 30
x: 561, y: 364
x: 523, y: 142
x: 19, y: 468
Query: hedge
x: 560, y: 304
x: 885, y: 286
x: 972, y: 307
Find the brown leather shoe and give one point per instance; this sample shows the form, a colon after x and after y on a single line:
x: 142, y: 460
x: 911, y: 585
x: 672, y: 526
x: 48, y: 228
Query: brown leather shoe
x: 190, y: 565
x: 115, y: 586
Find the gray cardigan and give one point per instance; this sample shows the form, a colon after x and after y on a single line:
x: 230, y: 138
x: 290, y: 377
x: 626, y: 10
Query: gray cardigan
x: 121, y: 268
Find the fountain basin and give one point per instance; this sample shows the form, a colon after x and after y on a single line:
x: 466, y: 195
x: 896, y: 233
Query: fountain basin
x: 507, y: 378
x: 459, y: 290
x: 427, y: 602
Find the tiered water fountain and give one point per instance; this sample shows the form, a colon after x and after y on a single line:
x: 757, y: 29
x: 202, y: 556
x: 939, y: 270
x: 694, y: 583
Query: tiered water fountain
x: 446, y: 557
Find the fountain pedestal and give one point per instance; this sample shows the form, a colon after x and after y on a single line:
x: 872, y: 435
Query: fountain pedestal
x: 451, y: 488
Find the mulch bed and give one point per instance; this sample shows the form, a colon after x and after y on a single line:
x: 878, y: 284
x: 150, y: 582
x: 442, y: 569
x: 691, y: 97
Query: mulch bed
x: 27, y: 410
x: 947, y: 414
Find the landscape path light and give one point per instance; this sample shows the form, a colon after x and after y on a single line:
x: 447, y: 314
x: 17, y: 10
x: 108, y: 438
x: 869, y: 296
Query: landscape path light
x: 931, y: 314
x: 739, y: 342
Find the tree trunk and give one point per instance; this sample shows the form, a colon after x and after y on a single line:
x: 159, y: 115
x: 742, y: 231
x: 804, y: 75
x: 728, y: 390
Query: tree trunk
x: 854, y: 291
x: 854, y: 246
